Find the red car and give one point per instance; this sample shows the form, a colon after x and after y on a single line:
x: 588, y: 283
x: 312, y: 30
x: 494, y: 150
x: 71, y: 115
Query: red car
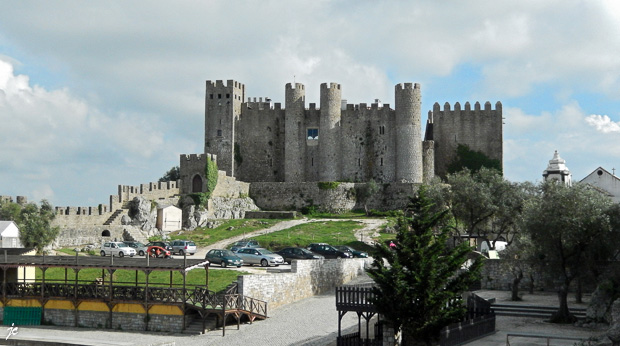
x: 158, y: 252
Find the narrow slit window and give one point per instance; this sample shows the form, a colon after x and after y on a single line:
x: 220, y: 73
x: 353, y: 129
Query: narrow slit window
x: 381, y: 161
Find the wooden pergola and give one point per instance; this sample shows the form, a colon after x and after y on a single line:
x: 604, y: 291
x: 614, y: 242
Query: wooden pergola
x: 196, y: 297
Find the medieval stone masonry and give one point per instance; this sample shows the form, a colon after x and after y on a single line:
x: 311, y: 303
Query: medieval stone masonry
x: 259, y: 141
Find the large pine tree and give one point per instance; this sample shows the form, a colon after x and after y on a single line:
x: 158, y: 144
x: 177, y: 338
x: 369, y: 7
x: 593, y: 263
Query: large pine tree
x: 418, y: 279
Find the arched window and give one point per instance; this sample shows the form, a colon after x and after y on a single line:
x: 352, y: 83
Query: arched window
x: 197, y: 184
x: 105, y: 233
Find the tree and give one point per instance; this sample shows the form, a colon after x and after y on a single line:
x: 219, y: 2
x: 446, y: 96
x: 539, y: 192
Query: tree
x: 34, y: 222
x: 366, y: 192
x: 472, y: 160
x: 418, y: 279
x: 570, y: 229
x: 173, y: 174
x: 484, y: 204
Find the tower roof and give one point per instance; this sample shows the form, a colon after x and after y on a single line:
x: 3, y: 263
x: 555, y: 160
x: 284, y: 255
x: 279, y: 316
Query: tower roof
x: 557, y: 164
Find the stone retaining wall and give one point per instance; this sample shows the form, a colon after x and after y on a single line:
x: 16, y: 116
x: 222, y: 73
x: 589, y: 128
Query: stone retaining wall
x: 305, y: 279
x: 340, y: 198
x: 270, y: 214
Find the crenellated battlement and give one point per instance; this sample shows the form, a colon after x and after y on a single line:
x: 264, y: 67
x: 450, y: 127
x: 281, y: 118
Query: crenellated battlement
x: 457, y: 107
x: 297, y: 86
x: 219, y: 84
x: 403, y: 86
x: 330, y: 86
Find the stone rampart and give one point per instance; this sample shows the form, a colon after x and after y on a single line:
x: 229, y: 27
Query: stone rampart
x: 152, y: 191
x: 305, y: 279
x: 339, y: 197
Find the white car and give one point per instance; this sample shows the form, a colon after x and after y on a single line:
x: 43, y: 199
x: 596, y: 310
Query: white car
x: 117, y: 248
x: 264, y: 257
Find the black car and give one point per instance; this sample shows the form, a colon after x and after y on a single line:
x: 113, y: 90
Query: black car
x: 291, y: 253
x: 166, y: 245
x: 328, y: 251
x: 356, y: 253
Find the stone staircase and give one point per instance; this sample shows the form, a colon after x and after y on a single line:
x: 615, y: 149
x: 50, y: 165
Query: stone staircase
x: 130, y: 234
x: 537, y: 311
x: 113, y: 217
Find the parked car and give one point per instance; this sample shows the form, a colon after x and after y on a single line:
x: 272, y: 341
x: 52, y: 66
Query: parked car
x: 291, y: 253
x: 224, y: 258
x: 138, y: 246
x: 244, y: 243
x: 117, y: 248
x: 328, y: 251
x: 158, y: 252
x: 166, y: 245
x: 184, y: 247
x: 264, y: 257
x: 355, y: 253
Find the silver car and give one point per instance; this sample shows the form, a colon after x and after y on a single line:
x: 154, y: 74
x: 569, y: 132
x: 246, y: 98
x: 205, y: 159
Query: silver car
x: 117, y: 248
x: 262, y: 256
x: 183, y: 247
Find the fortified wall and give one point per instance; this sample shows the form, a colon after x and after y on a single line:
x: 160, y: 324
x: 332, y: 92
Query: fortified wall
x: 260, y: 141
x: 479, y: 129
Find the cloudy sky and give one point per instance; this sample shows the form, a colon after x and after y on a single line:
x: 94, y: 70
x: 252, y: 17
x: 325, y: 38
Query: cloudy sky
x: 94, y: 94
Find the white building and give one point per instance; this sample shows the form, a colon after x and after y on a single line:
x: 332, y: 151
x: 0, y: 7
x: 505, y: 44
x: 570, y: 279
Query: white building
x: 9, y: 235
x: 557, y: 170
x: 605, y: 182
x: 169, y: 218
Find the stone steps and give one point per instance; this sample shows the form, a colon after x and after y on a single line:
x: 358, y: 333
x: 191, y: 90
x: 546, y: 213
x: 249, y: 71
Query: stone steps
x: 536, y: 311
x: 113, y: 217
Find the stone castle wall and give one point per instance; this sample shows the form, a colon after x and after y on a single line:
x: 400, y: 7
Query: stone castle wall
x: 305, y: 279
x: 336, y: 142
x: 344, y: 197
x: 479, y: 129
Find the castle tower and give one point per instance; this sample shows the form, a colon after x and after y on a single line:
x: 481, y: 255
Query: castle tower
x: 294, y: 136
x: 329, y: 133
x: 408, y: 133
x: 222, y: 108
x: 557, y: 170
x: 480, y: 129
x: 428, y: 160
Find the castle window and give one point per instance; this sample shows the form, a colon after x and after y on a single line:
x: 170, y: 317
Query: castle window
x: 381, y: 130
x: 219, y: 133
x: 312, y: 162
x: 219, y: 96
x: 211, y: 96
x: 359, y: 162
x: 313, y: 134
x: 381, y: 161
x: 227, y: 96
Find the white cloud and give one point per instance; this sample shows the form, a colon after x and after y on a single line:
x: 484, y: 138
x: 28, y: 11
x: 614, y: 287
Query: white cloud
x: 603, y: 123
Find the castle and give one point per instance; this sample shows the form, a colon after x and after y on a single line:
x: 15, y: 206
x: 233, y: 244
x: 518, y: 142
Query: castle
x: 260, y: 141
x: 281, y: 157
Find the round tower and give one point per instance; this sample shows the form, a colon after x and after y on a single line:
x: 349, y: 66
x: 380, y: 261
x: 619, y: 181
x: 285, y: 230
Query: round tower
x: 408, y: 133
x: 294, y: 132
x: 329, y: 132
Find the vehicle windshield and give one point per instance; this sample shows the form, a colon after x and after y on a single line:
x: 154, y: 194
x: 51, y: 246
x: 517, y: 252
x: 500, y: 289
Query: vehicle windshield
x: 307, y: 251
x: 191, y: 243
x: 265, y: 251
x: 138, y: 244
x: 122, y: 245
x: 228, y: 253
